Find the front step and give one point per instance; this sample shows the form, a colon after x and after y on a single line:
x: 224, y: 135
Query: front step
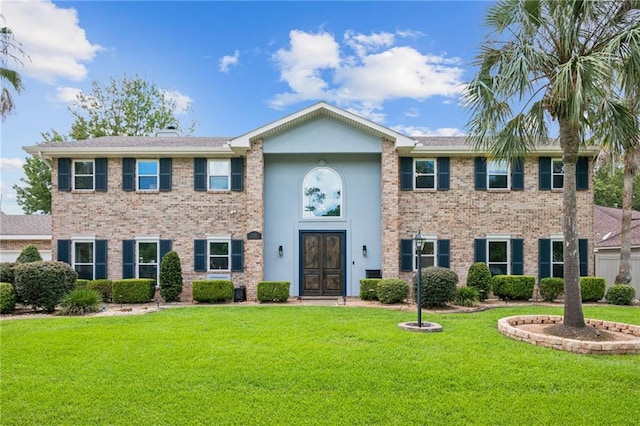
x: 322, y: 300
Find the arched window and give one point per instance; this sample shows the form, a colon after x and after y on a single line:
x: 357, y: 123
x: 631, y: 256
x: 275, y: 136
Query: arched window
x: 322, y: 193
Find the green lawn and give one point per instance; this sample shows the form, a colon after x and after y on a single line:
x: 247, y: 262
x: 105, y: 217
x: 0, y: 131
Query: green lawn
x: 297, y: 365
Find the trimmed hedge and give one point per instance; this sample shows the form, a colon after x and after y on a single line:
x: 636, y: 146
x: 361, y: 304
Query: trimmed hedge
x: 392, y: 290
x: 620, y: 294
x: 7, y: 298
x: 44, y: 284
x: 209, y: 291
x: 103, y: 287
x: 273, y: 291
x: 82, y: 283
x: 170, y: 277
x: 133, y: 290
x: 551, y: 288
x: 479, y: 277
x: 7, y: 274
x: 592, y: 289
x: 368, y: 288
x: 513, y: 287
x: 438, y: 286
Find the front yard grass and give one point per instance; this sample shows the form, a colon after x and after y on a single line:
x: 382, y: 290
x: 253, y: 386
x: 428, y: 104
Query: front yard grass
x: 306, y: 365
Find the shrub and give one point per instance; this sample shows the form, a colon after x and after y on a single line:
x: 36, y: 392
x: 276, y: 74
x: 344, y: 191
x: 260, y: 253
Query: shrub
x: 551, y: 288
x: 592, y: 288
x: 44, y: 284
x: 392, y: 290
x: 513, y: 287
x: 438, y: 286
x: 104, y: 287
x: 368, y: 288
x: 29, y: 253
x: 212, y: 290
x: 133, y: 290
x: 620, y: 294
x: 170, y: 277
x: 82, y: 283
x: 7, y: 298
x: 479, y: 277
x: 467, y: 296
x: 6, y: 272
x: 273, y: 291
x: 81, y: 301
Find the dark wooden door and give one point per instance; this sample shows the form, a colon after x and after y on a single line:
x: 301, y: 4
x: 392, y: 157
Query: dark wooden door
x: 322, y: 263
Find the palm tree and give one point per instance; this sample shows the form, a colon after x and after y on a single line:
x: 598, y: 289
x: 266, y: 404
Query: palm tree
x: 7, y: 47
x: 555, y: 61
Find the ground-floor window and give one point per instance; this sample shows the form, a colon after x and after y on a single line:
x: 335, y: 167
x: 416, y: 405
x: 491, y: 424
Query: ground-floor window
x: 148, y: 260
x: 83, y: 259
x: 219, y: 254
x: 427, y: 255
x: 557, y: 258
x: 498, y: 257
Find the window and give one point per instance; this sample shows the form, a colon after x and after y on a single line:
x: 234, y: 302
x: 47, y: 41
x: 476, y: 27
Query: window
x: 147, y: 255
x: 498, y: 257
x: 218, y: 172
x: 83, y: 174
x: 557, y: 258
x: 83, y: 259
x: 427, y: 256
x: 322, y: 193
x: 425, y: 174
x: 498, y: 174
x: 147, y: 175
x: 219, y: 255
x: 557, y: 174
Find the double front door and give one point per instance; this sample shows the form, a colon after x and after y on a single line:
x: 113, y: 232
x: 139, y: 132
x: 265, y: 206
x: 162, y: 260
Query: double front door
x: 322, y: 263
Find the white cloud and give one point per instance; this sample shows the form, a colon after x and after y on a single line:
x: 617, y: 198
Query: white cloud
x: 56, y: 45
x: 228, y: 61
x: 412, y: 113
x: 425, y: 131
x: 183, y: 102
x: 11, y: 164
x: 67, y: 94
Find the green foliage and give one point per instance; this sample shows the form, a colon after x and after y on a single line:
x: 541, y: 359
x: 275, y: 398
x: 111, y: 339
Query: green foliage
x: 10, y: 53
x: 438, y: 286
x: 209, y: 291
x: 29, y: 253
x: 551, y: 288
x: 104, y: 287
x: 592, y: 289
x: 392, y: 290
x: 608, y: 188
x: 170, y: 277
x: 82, y: 283
x: 6, y: 272
x: 81, y: 301
x: 133, y: 290
x: 34, y: 195
x: 44, y: 284
x: 513, y: 287
x: 7, y: 298
x: 273, y: 291
x: 368, y: 288
x: 479, y: 277
x: 467, y: 296
x: 620, y: 294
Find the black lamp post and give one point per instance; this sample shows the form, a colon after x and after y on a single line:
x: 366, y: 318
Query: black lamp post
x: 419, y: 241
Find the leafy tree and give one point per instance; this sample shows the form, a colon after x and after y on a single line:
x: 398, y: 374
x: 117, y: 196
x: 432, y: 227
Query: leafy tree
x: 28, y: 254
x: 608, y: 187
x: 10, y: 51
x: 566, y: 62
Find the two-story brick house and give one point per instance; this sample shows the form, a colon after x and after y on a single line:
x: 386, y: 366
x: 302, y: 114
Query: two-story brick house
x: 317, y: 198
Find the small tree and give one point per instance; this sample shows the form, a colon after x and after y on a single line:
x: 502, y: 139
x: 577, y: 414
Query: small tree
x: 29, y: 253
x: 170, y: 277
x: 479, y: 277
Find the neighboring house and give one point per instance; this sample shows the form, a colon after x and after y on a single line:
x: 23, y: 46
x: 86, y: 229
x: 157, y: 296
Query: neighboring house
x: 320, y: 198
x: 18, y: 231
x: 607, y: 224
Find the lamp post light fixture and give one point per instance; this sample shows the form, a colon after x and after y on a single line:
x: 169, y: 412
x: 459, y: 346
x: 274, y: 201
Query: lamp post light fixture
x: 419, y: 241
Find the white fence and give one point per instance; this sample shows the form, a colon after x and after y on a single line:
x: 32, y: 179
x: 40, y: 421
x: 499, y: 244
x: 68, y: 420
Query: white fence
x: 608, y: 262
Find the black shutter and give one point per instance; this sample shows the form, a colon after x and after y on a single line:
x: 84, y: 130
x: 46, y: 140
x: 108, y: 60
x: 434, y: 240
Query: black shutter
x: 544, y: 170
x: 101, y: 260
x: 200, y: 255
x: 237, y: 255
x: 517, y: 257
x: 64, y: 174
x: 406, y: 255
x: 583, y: 253
x: 128, y: 175
x: 406, y: 174
x: 443, y: 173
x: 480, y: 166
x: 237, y: 174
x: 128, y: 259
x: 101, y: 174
x: 480, y: 250
x: 199, y: 174
x: 582, y: 174
x: 165, y: 247
x: 444, y: 248
x: 165, y: 174
x: 517, y: 174
x: 64, y: 251
x: 544, y: 258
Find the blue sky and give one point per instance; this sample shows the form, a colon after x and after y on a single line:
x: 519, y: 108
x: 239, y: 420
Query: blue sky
x: 235, y: 66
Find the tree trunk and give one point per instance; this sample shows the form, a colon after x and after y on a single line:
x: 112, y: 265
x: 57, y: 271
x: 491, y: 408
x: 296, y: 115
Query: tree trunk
x: 624, y: 272
x: 570, y: 142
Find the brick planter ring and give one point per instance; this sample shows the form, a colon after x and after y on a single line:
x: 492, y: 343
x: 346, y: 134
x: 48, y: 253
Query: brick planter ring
x: 509, y: 327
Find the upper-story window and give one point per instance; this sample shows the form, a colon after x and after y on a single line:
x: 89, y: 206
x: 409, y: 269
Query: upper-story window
x: 218, y: 174
x: 557, y: 173
x: 147, y: 175
x: 322, y: 193
x: 83, y: 175
x: 498, y: 174
x: 425, y: 173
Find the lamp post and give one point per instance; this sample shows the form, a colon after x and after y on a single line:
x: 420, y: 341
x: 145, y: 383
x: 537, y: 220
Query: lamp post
x: 419, y: 241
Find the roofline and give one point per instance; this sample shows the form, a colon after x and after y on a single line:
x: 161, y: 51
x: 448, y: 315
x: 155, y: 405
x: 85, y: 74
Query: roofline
x: 463, y: 150
x: 25, y: 237
x: 117, y: 152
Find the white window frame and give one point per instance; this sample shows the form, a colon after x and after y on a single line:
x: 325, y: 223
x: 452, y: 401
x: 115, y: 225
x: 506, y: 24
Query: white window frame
x: 552, y: 262
x: 416, y: 174
x: 499, y: 239
x: 554, y: 174
x: 144, y: 240
x: 429, y: 239
x: 222, y: 240
x: 507, y: 174
x: 210, y: 175
x: 75, y: 175
x: 156, y: 175
x: 74, y: 261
